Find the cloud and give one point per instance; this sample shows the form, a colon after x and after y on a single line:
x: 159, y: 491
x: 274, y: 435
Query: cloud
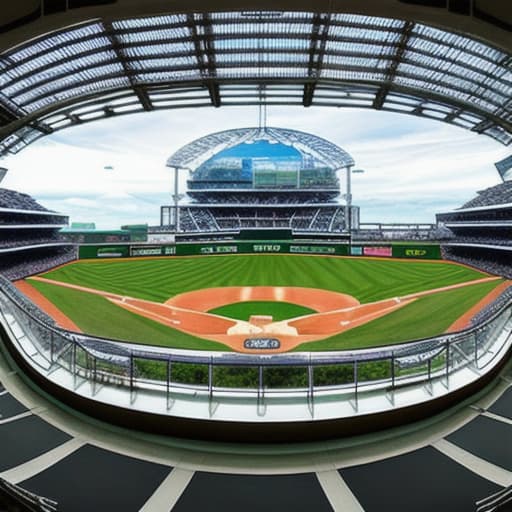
x: 413, y: 167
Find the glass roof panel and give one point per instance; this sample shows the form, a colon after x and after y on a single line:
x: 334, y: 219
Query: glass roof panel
x: 362, y: 20
x: 64, y: 67
x: 47, y: 43
x: 458, y: 41
x: 149, y: 76
x: 163, y: 63
x: 361, y: 53
x: 150, y: 21
x: 171, y: 49
x: 68, y: 81
x: 178, y: 35
x: 77, y: 91
x: 262, y: 57
x: 364, y: 48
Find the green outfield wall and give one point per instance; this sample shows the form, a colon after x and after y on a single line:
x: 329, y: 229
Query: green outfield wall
x: 407, y: 251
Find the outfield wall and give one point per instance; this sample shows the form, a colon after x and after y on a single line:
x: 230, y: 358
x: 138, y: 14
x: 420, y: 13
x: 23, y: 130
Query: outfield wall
x: 408, y: 251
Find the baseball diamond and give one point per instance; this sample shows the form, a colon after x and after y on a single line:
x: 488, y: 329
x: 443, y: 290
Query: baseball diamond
x: 342, y: 296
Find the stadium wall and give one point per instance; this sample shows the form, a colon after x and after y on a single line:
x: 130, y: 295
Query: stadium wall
x: 412, y: 251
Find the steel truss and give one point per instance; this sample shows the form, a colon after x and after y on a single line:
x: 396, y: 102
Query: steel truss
x: 100, y: 69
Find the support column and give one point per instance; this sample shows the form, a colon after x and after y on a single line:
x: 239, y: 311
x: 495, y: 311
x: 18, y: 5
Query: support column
x: 176, y: 200
x: 348, y: 170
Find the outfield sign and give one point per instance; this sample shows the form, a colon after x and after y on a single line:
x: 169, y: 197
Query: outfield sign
x: 190, y: 249
x: 109, y: 252
x: 266, y: 248
x: 415, y: 253
x: 377, y: 251
x: 356, y: 251
x: 156, y: 250
x: 312, y: 249
x: 425, y: 252
x: 219, y: 249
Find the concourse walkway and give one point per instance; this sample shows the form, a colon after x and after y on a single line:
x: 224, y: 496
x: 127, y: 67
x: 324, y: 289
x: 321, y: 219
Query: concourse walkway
x: 445, y: 463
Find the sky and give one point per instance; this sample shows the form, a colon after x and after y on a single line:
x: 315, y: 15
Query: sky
x: 414, y: 167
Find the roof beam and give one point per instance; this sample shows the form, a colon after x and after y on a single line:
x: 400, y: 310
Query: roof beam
x: 449, y: 118
x: 319, y: 32
x: 201, y: 33
x: 380, y: 98
x: 6, y: 116
x: 10, y: 114
x: 482, y: 126
x: 118, y: 50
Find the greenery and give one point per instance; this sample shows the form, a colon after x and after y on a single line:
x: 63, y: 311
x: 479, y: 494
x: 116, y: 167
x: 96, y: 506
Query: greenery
x: 98, y: 316
x: 277, y: 310
x: 283, y: 377
x: 367, y: 280
x: 425, y: 317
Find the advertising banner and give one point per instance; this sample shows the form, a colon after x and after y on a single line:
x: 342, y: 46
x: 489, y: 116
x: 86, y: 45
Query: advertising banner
x: 218, y: 249
x: 312, y: 249
x: 111, y: 252
x: 428, y: 252
x: 266, y: 247
x: 377, y: 251
x: 152, y: 250
x: 155, y: 250
x: 356, y: 251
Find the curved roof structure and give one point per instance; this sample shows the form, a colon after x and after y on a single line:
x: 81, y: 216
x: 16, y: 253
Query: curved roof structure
x: 111, y: 66
x: 194, y: 154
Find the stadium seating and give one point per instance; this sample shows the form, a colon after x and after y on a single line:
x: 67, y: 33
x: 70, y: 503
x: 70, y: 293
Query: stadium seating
x: 499, y: 194
x: 327, y: 219
x: 481, y: 231
x: 19, y: 201
x: 29, y: 236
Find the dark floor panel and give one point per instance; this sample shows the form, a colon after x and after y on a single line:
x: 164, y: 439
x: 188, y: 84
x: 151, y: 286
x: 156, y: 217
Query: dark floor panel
x: 503, y: 406
x: 420, y: 481
x: 253, y: 493
x: 24, y: 439
x: 95, y: 479
x: 9, y: 406
x: 486, y: 438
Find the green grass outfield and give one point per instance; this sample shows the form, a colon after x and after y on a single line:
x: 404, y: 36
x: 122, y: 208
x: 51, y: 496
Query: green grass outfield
x: 366, y: 279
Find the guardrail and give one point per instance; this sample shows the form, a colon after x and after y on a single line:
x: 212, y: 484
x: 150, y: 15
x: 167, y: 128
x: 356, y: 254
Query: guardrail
x: 435, y: 366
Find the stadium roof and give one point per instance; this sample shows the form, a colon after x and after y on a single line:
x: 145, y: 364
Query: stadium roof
x: 112, y: 65
x: 198, y: 151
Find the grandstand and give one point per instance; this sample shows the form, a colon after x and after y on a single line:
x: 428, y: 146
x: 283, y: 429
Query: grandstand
x: 261, y: 178
x: 482, y: 231
x: 29, y: 236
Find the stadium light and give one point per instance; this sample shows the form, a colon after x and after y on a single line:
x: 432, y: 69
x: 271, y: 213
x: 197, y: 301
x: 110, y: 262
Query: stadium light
x: 176, y: 196
x: 348, y: 195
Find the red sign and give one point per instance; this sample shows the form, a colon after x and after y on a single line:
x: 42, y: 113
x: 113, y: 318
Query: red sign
x: 377, y: 251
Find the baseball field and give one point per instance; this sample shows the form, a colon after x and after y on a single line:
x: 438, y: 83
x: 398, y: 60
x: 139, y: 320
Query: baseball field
x: 307, y: 302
